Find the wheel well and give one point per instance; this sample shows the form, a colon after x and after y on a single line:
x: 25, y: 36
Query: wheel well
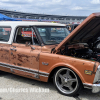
x: 52, y: 73
x: 54, y: 70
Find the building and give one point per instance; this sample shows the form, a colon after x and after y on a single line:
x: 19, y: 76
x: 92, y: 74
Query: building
x: 43, y: 17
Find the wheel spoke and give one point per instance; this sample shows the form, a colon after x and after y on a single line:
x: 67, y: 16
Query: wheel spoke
x: 70, y: 88
x: 72, y: 80
x: 66, y: 85
x: 67, y: 73
x: 62, y: 79
x: 62, y: 84
x: 61, y: 76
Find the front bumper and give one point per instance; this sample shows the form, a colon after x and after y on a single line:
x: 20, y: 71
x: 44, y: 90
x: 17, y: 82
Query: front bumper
x: 95, y: 87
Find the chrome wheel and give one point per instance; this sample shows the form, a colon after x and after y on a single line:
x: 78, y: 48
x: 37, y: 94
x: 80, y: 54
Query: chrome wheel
x: 66, y: 81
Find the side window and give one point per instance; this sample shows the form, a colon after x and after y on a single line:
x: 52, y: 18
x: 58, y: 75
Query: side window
x: 42, y: 31
x: 5, y: 33
x: 43, y: 34
x: 24, y: 34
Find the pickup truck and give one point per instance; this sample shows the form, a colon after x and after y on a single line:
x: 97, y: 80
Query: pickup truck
x: 70, y: 60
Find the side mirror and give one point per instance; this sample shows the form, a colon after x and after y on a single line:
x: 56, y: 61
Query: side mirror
x: 28, y: 44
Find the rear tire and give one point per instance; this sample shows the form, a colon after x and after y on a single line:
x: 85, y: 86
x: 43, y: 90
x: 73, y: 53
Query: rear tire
x: 67, y: 82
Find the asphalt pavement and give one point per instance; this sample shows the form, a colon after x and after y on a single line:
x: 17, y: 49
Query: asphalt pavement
x: 13, y: 87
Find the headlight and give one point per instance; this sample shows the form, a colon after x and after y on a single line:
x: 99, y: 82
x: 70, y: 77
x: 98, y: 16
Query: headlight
x: 97, y: 75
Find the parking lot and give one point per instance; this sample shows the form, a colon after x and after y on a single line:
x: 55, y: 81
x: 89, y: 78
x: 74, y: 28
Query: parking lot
x: 8, y: 80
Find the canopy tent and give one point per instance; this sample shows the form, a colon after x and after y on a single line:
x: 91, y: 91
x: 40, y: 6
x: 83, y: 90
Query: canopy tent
x: 6, y: 18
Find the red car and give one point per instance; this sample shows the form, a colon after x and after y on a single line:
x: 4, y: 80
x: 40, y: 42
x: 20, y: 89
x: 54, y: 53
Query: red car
x: 27, y: 32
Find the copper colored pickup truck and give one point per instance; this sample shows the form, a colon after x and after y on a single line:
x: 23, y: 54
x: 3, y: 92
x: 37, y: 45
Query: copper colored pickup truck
x: 51, y: 52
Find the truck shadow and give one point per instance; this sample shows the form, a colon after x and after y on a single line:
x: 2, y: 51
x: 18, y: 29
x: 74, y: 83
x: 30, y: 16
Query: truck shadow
x: 88, y: 95
x: 30, y: 82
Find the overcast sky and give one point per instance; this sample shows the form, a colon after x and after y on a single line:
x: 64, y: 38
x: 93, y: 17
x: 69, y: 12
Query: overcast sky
x: 58, y: 7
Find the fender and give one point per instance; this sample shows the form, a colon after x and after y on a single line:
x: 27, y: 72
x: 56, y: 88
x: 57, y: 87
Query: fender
x: 68, y: 66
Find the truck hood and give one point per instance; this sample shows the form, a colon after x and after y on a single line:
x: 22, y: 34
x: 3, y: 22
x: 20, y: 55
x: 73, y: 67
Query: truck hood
x: 86, y: 32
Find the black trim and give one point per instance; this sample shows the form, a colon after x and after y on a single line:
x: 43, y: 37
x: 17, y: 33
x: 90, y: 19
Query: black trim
x: 38, y: 36
x: 94, y: 68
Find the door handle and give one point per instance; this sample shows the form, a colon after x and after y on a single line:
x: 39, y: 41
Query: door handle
x: 13, y: 49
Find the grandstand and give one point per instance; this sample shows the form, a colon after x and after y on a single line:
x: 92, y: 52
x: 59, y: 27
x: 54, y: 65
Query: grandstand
x: 43, y: 17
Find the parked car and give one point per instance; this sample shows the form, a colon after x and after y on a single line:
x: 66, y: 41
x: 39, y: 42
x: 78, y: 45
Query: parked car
x: 71, y: 27
x: 27, y: 32
x: 70, y: 59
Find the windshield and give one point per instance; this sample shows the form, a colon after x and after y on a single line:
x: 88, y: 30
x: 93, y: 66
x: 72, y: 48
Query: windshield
x: 52, y: 35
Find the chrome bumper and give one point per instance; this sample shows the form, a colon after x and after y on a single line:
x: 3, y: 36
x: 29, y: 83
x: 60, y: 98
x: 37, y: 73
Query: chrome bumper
x: 95, y: 87
x: 96, y: 83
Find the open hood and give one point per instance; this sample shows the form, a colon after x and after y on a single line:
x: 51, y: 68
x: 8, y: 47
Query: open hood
x: 87, y: 31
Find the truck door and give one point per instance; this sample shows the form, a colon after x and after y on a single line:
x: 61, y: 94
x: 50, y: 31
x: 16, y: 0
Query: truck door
x: 24, y: 55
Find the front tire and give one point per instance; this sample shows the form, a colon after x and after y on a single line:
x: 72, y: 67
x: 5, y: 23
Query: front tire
x: 67, y: 82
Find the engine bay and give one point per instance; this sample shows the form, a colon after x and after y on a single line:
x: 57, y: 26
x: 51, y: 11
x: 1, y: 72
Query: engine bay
x: 81, y: 50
